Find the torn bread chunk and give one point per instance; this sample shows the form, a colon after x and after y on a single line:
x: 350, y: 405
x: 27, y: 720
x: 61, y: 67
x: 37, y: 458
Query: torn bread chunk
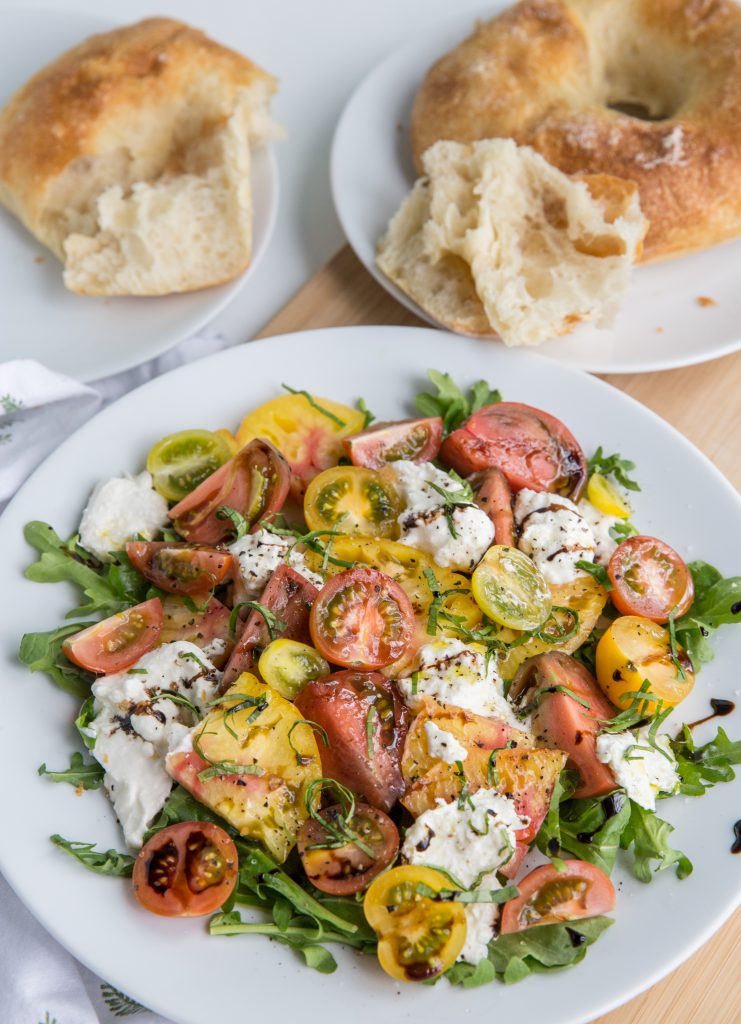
x: 494, y: 241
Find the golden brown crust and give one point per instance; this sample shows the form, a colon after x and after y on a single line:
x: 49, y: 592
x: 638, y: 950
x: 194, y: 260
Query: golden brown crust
x: 545, y: 72
x: 88, y: 94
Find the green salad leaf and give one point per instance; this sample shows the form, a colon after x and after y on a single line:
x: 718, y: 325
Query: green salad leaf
x: 717, y: 602
x: 42, y: 652
x: 586, y: 829
x: 613, y: 465
x: 79, y: 773
x: 649, y: 837
x: 701, y: 768
x: 110, y: 862
x: 109, y: 588
x: 451, y: 403
x: 548, y: 947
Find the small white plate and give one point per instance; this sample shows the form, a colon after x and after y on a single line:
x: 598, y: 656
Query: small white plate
x: 154, y: 959
x: 660, y: 326
x: 91, y: 337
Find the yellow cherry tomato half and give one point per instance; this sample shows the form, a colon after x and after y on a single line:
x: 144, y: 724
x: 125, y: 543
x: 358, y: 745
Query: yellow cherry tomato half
x: 180, y: 462
x: 419, y: 937
x: 606, y: 498
x: 634, y: 649
x: 307, y: 429
x: 353, y: 500
x: 509, y: 588
x: 288, y: 665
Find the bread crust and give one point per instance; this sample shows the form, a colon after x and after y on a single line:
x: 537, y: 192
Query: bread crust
x: 92, y: 98
x: 545, y: 71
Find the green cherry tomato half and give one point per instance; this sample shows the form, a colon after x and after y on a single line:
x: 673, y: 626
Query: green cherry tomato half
x: 180, y: 462
x: 288, y: 665
x: 509, y: 588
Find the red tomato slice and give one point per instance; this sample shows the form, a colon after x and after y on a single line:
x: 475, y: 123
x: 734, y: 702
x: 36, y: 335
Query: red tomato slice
x: 493, y: 494
x: 548, y: 896
x: 201, y: 628
x: 362, y: 619
x: 344, y: 870
x: 179, y: 568
x: 561, y: 721
x: 186, y: 870
x: 366, y: 724
x: 289, y: 597
x: 412, y: 440
x: 255, y: 483
x: 650, y: 579
x: 117, y: 642
x: 532, y: 448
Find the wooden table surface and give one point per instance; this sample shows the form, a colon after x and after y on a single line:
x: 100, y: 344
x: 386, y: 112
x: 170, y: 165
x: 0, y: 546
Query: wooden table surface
x: 704, y: 403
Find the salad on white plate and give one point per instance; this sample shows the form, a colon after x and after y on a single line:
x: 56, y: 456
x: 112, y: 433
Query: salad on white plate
x: 407, y: 686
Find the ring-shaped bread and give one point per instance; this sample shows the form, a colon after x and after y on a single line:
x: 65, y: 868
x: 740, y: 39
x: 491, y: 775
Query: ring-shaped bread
x: 648, y: 90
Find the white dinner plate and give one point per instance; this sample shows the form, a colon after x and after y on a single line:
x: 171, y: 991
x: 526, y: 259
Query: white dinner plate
x: 172, y: 965
x: 661, y: 325
x: 89, y: 337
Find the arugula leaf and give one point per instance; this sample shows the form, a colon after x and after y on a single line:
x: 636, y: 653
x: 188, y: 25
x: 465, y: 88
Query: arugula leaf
x: 110, y: 862
x: 717, y: 602
x: 110, y: 588
x: 315, y: 405
x: 585, y: 829
x: 79, y: 773
x: 42, y: 652
x: 259, y: 873
x: 547, y: 947
x: 649, y: 836
x: 701, y: 768
x: 83, y: 720
x: 298, y: 937
x: 613, y: 465
x: 470, y: 976
x: 181, y: 806
x: 451, y: 403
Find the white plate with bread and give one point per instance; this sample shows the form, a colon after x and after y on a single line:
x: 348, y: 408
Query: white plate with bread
x: 622, y: 105
x: 137, y: 185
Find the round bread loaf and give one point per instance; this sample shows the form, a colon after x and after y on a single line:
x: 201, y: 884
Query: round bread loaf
x: 648, y: 90
x: 128, y: 156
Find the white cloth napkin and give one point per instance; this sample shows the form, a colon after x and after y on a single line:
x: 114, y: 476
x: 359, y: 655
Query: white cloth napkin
x: 40, y: 983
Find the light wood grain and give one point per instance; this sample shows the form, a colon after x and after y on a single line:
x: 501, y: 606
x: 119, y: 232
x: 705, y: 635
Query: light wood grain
x: 704, y: 403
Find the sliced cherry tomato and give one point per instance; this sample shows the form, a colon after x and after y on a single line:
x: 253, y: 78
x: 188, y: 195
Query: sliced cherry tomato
x: 288, y: 597
x: 411, y: 440
x: 207, y: 629
x: 532, y: 448
x: 567, y: 709
x: 366, y: 724
x: 650, y: 579
x: 310, y: 438
x: 632, y: 650
x: 418, y: 937
x: 362, y: 619
x: 509, y: 588
x: 179, y: 568
x: 549, y: 895
x: 253, y: 762
x: 186, y: 870
x: 353, y: 500
x: 180, y: 462
x: 117, y: 642
x: 255, y: 483
x: 288, y: 665
x: 493, y: 494
x: 349, y: 868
